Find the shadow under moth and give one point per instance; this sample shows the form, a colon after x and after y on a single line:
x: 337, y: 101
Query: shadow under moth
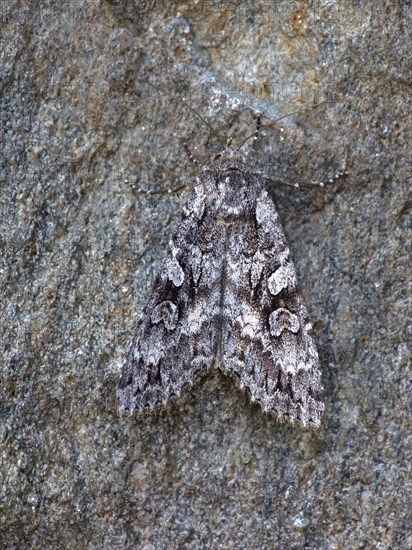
x: 226, y: 297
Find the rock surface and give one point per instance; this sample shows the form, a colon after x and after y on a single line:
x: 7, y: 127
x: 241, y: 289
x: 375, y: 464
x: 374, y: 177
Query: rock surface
x: 82, y: 131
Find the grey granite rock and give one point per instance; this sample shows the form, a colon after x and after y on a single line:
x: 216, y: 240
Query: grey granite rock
x: 81, y: 132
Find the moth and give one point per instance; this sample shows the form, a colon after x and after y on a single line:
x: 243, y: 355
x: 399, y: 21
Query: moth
x: 226, y: 296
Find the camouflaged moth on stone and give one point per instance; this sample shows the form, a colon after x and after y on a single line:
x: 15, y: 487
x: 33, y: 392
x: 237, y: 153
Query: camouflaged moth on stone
x: 226, y: 297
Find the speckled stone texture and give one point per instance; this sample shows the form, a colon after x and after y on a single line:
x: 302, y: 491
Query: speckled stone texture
x: 80, y: 134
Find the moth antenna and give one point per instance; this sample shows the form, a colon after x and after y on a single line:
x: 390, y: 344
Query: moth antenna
x: 255, y: 132
x: 188, y: 106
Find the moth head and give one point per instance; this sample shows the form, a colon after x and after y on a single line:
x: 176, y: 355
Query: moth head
x: 228, y: 154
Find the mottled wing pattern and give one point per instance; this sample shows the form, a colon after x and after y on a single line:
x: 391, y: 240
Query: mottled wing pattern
x: 267, y: 342
x: 176, y: 333
x: 226, y: 295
